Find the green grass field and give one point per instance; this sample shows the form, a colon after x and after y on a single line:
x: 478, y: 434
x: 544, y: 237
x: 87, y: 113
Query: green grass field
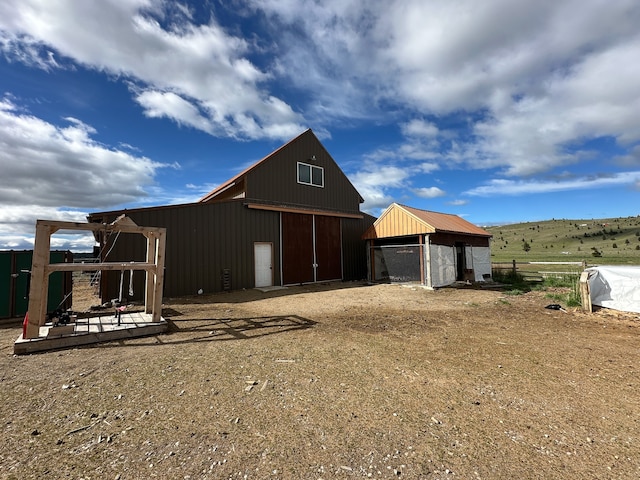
x: 612, y: 241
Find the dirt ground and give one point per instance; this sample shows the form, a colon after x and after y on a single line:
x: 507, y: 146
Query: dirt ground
x: 335, y: 381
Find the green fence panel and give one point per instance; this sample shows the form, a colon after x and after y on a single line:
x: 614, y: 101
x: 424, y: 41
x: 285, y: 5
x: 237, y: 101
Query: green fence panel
x: 14, y: 301
x: 20, y: 298
x: 57, y: 287
x: 6, y: 282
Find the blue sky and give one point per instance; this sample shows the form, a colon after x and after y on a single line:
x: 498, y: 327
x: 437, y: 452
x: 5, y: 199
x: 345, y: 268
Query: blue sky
x: 499, y: 111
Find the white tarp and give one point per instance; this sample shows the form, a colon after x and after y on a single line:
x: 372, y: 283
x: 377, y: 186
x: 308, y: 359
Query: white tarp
x: 481, y: 262
x: 443, y: 265
x: 615, y: 287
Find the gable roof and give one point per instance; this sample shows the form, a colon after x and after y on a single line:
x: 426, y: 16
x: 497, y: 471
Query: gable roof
x: 399, y: 220
x: 236, y: 179
x: 236, y: 185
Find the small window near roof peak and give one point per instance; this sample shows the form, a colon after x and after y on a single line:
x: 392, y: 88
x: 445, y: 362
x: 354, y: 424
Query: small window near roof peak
x: 310, y: 175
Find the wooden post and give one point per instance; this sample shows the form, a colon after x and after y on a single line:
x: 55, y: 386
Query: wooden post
x: 150, y: 277
x: 422, y: 275
x: 39, y: 290
x: 159, y: 276
x: 515, y: 270
x: 372, y: 262
x: 41, y: 268
x: 427, y: 243
x: 585, y: 293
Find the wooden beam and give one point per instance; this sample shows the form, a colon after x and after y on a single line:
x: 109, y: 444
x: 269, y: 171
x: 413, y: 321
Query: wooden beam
x: 41, y: 268
x: 287, y: 209
x: 159, y: 277
x: 585, y: 293
x: 76, y: 267
x: 125, y: 227
x: 150, y: 276
x: 38, y: 292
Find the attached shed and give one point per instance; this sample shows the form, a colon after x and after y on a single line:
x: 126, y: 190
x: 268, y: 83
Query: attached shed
x: 435, y: 249
x: 293, y: 217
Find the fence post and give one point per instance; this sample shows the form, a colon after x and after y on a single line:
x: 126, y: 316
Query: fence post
x: 585, y: 294
x: 514, y: 267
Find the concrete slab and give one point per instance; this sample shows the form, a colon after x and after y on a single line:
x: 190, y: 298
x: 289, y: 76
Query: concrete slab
x: 91, y: 330
x: 270, y: 289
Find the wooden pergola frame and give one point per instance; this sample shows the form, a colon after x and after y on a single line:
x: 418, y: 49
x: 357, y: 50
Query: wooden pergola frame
x: 41, y: 268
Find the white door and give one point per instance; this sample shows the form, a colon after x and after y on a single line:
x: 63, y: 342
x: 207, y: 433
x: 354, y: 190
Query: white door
x: 262, y: 253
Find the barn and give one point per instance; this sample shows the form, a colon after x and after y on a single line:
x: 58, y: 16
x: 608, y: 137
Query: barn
x: 291, y: 218
x: 434, y: 249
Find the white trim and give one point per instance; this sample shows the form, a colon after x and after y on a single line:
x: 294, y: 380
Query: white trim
x: 311, y: 167
x: 281, y: 248
x: 314, y: 244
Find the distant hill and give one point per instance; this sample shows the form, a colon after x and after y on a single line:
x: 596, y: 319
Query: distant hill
x: 615, y: 240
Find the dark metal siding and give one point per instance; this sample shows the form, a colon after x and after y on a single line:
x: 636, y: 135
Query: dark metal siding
x: 451, y: 239
x: 202, y: 241
x: 328, y: 248
x: 354, y: 252
x: 277, y: 179
x: 297, y: 248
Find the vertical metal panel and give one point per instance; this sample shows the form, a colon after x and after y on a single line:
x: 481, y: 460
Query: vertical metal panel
x: 354, y: 250
x: 297, y: 248
x: 7, y: 282
x: 202, y: 241
x: 276, y: 179
x: 205, y: 239
x: 328, y: 248
x: 14, y: 300
x: 22, y: 261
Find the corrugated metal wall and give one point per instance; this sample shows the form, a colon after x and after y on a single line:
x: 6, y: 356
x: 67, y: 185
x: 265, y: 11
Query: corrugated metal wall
x: 354, y: 251
x: 14, y: 301
x: 202, y: 240
x: 277, y: 181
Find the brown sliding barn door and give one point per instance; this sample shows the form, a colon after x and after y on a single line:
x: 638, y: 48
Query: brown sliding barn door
x: 328, y: 249
x: 311, y: 248
x: 297, y: 248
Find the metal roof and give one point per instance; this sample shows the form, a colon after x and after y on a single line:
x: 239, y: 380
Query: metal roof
x: 399, y: 220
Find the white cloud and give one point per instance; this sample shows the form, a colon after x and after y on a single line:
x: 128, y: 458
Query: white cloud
x: 197, y: 75
x: 19, y: 222
x: 631, y: 159
x: 374, y: 183
x: 56, y: 166
x: 60, y: 172
x: 429, y: 192
x: 420, y: 129
x: 538, y: 77
x: 497, y: 187
x: 555, y: 74
x: 531, y: 90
